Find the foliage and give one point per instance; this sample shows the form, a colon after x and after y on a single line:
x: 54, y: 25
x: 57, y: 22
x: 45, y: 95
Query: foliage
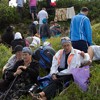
x: 7, y: 16
x: 93, y: 5
x: 96, y: 33
x: 73, y: 91
x: 5, y: 53
x: 55, y: 41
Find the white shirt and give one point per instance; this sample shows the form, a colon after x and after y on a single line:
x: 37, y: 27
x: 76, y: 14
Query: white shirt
x: 41, y: 15
x: 36, y: 41
x: 96, y: 50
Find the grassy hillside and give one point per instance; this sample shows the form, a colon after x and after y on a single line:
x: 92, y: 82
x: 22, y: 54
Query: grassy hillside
x: 73, y: 91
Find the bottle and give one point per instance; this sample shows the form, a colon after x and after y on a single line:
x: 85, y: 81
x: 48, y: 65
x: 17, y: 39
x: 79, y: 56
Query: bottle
x: 33, y: 88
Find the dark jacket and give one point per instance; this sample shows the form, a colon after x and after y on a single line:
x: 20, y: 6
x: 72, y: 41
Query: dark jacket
x: 31, y: 73
x: 16, y: 42
x: 7, y: 38
x: 32, y: 29
x: 45, y: 31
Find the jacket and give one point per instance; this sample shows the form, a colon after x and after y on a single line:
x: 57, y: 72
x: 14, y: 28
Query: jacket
x: 75, y: 60
x: 80, y: 29
x: 31, y: 73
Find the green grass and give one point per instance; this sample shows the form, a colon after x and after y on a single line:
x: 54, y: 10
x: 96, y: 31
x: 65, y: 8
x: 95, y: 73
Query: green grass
x: 73, y: 92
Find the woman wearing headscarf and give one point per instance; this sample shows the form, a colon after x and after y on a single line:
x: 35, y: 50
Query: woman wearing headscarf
x: 8, y: 36
x: 18, y: 40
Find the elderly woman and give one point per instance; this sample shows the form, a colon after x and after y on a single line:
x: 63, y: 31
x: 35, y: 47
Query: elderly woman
x: 26, y: 71
x: 18, y: 40
x: 64, y: 60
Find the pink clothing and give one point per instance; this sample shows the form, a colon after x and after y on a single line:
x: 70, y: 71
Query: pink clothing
x: 32, y: 2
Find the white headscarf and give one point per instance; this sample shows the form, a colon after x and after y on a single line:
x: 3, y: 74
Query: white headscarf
x: 18, y: 35
x: 36, y: 41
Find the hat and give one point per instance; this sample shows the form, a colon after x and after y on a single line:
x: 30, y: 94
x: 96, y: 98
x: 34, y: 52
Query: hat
x: 65, y: 40
x: 17, y: 48
x: 36, y: 22
x: 18, y: 35
x: 27, y: 50
x: 36, y: 42
x: 47, y: 44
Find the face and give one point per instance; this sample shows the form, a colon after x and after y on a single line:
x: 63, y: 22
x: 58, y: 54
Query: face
x: 19, y: 55
x: 26, y: 57
x: 86, y: 13
x: 67, y: 47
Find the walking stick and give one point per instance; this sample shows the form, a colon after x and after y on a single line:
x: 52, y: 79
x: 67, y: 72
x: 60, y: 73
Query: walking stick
x: 10, y: 88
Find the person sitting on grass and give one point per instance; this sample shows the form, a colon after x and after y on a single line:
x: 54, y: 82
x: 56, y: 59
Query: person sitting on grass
x: 27, y: 71
x: 17, y: 55
x: 18, y: 40
x: 94, y: 52
x: 63, y: 62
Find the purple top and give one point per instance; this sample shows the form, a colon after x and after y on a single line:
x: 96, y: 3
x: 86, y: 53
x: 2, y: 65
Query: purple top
x: 32, y: 2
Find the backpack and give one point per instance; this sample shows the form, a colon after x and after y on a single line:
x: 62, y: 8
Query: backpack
x: 44, y: 55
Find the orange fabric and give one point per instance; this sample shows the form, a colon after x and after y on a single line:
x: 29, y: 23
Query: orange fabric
x: 59, y: 57
x: 70, y: 58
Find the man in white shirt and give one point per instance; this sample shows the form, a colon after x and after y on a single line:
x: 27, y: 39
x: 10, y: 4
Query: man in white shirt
x: 42, y: 15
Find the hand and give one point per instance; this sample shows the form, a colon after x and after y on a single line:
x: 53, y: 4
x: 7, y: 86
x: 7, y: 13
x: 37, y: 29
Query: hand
x: 82, y: 54
x: 22, y: 67
x: 54, y: 77
x: 18, y: 72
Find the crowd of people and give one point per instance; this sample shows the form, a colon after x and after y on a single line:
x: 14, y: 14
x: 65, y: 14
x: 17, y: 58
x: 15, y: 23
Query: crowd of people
x: 77, y: 51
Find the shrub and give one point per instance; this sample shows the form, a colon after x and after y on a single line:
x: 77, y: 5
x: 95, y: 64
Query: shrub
x: 8, y: 16
x: 96, y: 33
x: 5, y: 53
x: 55, y: 41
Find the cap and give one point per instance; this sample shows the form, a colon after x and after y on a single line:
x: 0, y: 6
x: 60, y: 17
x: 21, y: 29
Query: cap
x: 27, y: 50
x: 17, y: 48
x: 47, y: 44
x: 65, y: 40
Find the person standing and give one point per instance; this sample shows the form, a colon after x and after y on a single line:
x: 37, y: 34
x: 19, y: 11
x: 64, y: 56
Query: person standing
x: 20, y: 4
x: 42, y: 14
x: 80, y: 30
x: 44, y: 30
x: 32, y: 5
